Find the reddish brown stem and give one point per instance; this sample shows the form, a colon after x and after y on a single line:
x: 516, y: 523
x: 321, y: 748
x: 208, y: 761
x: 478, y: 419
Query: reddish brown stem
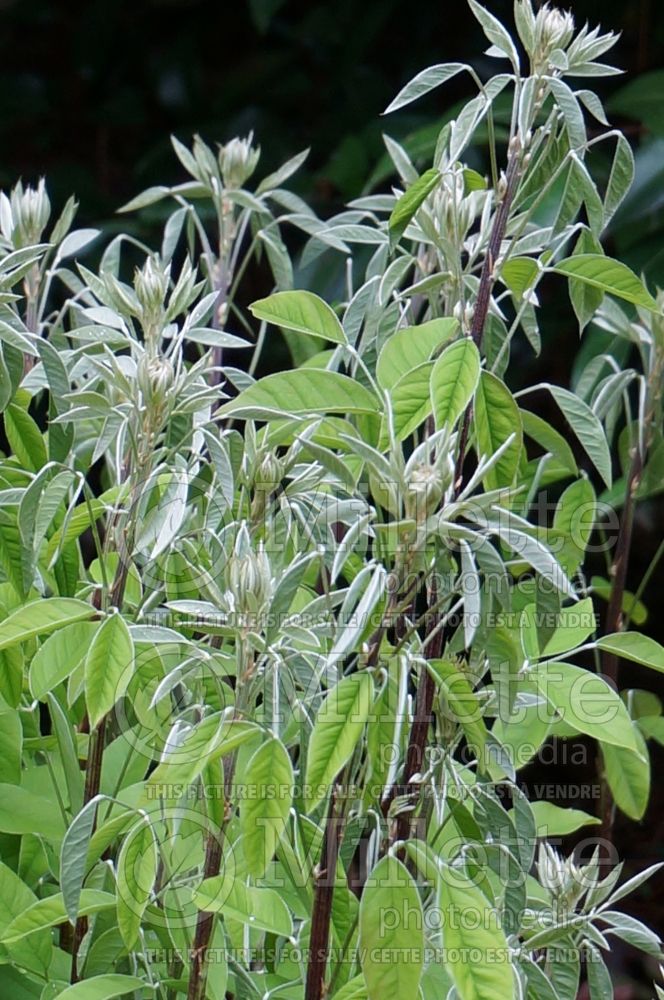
x: 484, y: 292
x: 322, y: 910
x: 204, y: 923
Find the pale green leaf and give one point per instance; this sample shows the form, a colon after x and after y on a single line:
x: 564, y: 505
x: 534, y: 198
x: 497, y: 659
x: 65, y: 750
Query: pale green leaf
x: 608, y: 275
x: 453, y: 381
x: 108, y: 666
x: 391, y: 932
x: 409, y: 347
x: 302, y: 312
x: 41, y: 617
x: 634, y: 646
x: 301, y: 392
x: 339, y: 724
x: 268, y: 782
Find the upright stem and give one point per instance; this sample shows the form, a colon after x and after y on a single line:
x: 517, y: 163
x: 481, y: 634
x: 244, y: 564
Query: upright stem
x: 614, y: 621
x: 422, y: 718
x: 215, y: 842
x: 487, y: 278
x: 323, y: 896
x: 96, y: 752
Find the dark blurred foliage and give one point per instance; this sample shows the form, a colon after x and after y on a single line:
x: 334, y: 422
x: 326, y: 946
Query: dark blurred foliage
x: 90, y: 92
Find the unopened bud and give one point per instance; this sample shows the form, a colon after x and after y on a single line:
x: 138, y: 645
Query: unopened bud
x: 269, y: 473
x: 155, y: 378
x: 425, y: 490
x: 553, y: 30
x: 151, y: 286
x: 237, y: 162
x: 249, y: 576
x: 31, y: 210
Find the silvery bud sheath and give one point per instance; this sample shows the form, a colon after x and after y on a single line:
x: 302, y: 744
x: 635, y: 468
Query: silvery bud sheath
x: 237, y: 162
x: 155, y: 378
x: 249, y: 578
x: 151, y: 286
x: 31, y: 210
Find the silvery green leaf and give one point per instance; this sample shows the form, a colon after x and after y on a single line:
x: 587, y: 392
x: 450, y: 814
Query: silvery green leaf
x: 286, y: 170
x: 426, y: 80
x: 495, y: 32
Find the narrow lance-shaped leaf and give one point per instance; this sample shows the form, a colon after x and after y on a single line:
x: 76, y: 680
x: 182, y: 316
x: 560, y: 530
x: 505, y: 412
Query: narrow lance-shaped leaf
x: 421, y: 84
x: 73, y: 857
x: 410, y: 201
x: 137, y: 870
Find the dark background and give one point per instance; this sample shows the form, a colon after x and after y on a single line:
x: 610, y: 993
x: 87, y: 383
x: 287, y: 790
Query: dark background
x: 89, y: 93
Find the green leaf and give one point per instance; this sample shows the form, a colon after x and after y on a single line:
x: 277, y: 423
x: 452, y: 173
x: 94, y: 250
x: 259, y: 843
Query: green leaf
x: 453, y: 381
x: 587, y: 428
x: 574, y: 519
x: 25, y: 438
x: 107, y: 666
x: 302, y: 312
x: 462, y: 702
x: 628, y: 775
x: 496, y: 417
x: 73, y: 857
x: 585, y: 298
x: 497, y: 34
x: 300, y: 392
x: 634, y: 646
x: 22, y: 811
x: 555, y: 821
x: 262, y: 909
x: 573, y: 626
x: 608, y: 275
x: 586, y: 703
x: 519, y: 273
x: 214, y: 736
x: 421, y: 84
x: 409, y: 202
x: 11, y: 741
x: 550, y: 440
x: 411, y: 403
x: 409, y: 347
x: 136, y: 873
x: 391, y: 932
x: 489, y: 974
x: 636, y: 610
x: 41, y: 617
x: 600, y: 984
x: 51, y: 911
x: 59, y: 657
x: 268, y: 781
x: 103, y: 987
x: 339, y: 724
x: 620, y: 178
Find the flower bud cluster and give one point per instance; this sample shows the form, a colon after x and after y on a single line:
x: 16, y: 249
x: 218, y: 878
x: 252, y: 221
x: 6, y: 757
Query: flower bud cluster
x: 249, y: 578
x: 30, y: 212
x: 237, y: 161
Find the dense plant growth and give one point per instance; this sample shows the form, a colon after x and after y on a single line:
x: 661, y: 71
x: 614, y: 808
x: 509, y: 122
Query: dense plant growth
x: 274, y: 650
